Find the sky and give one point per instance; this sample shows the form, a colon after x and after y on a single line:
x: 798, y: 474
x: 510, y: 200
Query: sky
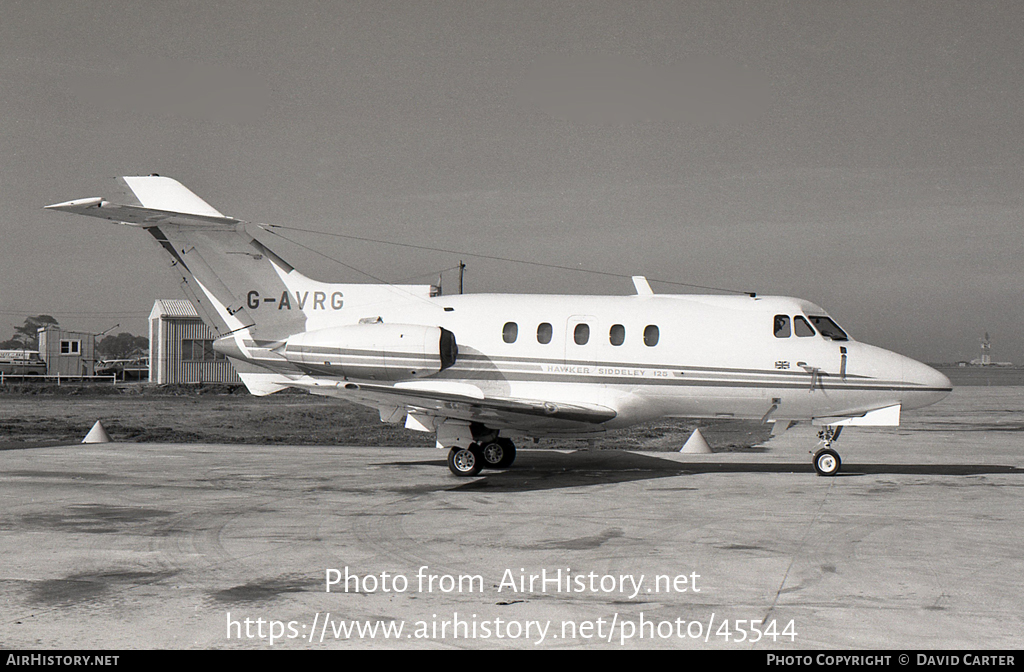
x: 866, y: 156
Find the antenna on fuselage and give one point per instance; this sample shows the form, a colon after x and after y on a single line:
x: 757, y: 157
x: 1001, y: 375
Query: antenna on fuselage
x: 643, y: 288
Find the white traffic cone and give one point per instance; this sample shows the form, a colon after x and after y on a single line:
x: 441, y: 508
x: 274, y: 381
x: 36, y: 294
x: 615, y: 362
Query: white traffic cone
x: 696, y: 444
x: 97, y: 434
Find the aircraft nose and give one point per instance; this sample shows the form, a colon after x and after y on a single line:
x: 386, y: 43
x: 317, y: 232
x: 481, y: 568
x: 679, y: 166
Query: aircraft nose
x: 923, y: 385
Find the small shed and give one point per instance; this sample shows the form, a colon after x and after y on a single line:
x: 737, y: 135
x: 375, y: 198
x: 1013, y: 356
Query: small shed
x: 67, y: 353
x: 181, y: 347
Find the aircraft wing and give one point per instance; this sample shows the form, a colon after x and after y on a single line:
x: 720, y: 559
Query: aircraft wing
x: 888, y: 416
x: 470, y: 405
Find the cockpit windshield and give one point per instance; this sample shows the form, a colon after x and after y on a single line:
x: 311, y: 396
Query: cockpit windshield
x: 829, y: 329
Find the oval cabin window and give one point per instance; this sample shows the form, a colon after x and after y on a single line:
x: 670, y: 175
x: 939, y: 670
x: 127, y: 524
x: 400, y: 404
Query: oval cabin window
x: 544, y: 333
x: 617, y: 335
x: 510, y: 332
x: 651, y: 335
x: 581, y: 334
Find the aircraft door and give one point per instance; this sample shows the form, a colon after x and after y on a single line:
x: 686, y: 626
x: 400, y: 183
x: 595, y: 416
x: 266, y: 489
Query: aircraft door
x: 798, y: 348
x: 581, y: 336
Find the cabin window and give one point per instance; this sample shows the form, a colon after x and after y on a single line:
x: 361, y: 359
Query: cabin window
x: 70, y: 347
x: 544, y: 333
x: 617, y: 335
x: 651, y: 335
x: 801, y: 327
x: 510, y: 332
x: 782, y: 326
x: 581, y: 334
x: 828, y: 328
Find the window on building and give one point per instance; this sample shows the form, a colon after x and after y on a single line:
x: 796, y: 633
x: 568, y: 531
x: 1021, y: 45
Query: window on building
x: 581, y: 334
x: 782, y: 326
x: 617, y: 334
x: 510, y: 332
x: 199, y: 350
x: 801, y: 327
x: 544, y: 333
x: 651, y: 335
x: 70, y: 347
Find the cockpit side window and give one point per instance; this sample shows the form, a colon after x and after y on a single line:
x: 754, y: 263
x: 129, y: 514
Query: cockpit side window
x: 782, y: 326
x: 828, y: 328
x: 801, y: 327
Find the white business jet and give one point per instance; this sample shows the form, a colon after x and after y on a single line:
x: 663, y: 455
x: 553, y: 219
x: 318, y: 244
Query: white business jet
x: 475, y: 369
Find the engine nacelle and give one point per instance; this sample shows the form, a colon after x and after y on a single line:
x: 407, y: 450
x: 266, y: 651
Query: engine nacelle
x: 377, y: 351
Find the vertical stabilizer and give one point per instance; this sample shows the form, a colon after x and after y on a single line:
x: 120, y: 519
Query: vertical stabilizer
x: 163, y: 193
x: 228, y: 272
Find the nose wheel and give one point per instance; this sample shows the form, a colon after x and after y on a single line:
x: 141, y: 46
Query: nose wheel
x: 826, y: 460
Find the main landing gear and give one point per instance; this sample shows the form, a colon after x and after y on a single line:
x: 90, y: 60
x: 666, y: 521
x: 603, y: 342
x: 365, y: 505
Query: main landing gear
x: 496, y: 453
x: 826, y: 460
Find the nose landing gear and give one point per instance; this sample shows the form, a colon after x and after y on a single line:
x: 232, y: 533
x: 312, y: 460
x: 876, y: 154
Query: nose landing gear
x: 826, y: 460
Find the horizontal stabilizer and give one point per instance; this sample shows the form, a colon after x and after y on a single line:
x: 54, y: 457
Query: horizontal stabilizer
x: 139, y: 216
x: 161, y: 201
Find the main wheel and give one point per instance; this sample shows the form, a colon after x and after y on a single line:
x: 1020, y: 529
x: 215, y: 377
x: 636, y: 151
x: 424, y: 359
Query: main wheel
x: 827, y: 462
x: 465, y: 462
x: 498, y: 454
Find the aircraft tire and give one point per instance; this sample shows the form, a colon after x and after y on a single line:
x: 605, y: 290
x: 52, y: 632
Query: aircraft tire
x: 493, y: 453
x: 510, y: 454
x: 465, y: 462
x: 827, y: 462
x: 498, y: 454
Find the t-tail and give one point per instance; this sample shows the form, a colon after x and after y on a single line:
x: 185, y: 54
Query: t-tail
x: 253, y: 298
x: 230, y: 274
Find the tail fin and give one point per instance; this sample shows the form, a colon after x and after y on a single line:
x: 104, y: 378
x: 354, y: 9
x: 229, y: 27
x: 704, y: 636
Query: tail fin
x: 162, y: 193
x: 233, y: 271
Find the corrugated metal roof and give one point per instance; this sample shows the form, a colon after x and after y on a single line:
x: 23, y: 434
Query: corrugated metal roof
x: 173, y: 308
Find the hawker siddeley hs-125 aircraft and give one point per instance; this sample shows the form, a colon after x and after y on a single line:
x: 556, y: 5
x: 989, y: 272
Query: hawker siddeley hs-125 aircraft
x: 478, y: 368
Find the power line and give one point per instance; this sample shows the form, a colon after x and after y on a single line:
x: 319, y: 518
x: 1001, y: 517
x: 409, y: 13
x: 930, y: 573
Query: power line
x: 428, y: 274
x: 337, y: 261
x: 490, y: 257
x: 83, y: 313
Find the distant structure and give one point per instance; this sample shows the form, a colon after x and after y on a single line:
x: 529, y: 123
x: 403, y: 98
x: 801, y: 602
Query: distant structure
x: 986, y: 354
x: 67, y: 353
x: 181, y: 347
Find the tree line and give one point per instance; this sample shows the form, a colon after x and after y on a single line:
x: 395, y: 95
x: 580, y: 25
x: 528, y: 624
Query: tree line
x: 121, y: 346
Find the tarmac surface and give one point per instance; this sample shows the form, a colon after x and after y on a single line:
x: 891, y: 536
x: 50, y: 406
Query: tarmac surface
x: 917, y: 544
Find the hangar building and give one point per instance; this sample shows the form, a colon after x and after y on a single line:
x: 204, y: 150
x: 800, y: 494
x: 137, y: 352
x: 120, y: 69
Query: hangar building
x: 181, y: 347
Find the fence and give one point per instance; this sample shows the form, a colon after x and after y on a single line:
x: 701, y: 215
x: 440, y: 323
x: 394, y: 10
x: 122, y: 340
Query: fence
x: 38, y: 378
